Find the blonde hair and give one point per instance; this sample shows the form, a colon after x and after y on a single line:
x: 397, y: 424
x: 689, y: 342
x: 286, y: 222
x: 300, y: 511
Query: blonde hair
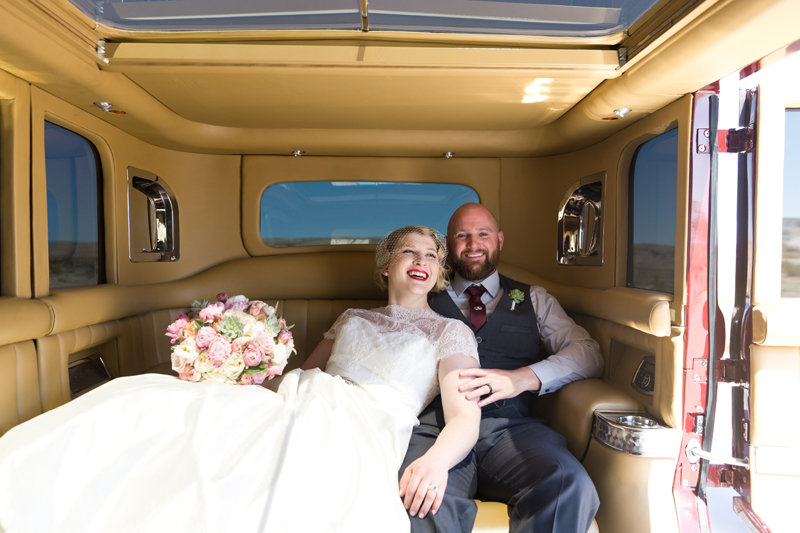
x: 387, y: 247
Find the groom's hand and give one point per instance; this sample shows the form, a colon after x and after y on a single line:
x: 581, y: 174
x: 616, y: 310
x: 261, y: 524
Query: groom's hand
x: 493, y: 384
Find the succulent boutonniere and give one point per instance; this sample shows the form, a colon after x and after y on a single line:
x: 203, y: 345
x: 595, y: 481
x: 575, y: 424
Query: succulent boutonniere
x: 516, y: 296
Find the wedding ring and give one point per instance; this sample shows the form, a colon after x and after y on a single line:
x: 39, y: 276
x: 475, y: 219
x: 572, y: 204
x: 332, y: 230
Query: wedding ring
x: 491, y: 390
x: 433, y: 488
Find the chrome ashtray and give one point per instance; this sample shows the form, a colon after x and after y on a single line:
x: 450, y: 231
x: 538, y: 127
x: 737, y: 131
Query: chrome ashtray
x: 637, y: 421
x: 635, y: 434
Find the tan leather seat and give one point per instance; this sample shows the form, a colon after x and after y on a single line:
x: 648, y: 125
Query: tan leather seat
x: 492, y: 517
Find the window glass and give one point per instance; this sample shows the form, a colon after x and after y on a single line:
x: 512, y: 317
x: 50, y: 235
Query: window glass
x: 575, y: 18
x: 74, y: 213
x: 790, y: 264
x: 354, y: 212
x: 651, y: 216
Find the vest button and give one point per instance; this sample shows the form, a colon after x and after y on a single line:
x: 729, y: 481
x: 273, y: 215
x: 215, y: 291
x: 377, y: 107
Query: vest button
x: 479, y: 340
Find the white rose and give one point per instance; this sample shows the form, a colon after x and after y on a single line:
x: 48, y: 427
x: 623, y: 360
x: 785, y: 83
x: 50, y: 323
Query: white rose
x: 233, y: 367
x: 252, y: 328
x: 203, y: 364
x: 182, y: 354
x: 239, y: 298
x: 216, y: 376
x: 280, y: 353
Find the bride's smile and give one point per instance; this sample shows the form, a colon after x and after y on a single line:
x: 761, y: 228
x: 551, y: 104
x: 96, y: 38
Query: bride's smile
x: 415, y: 273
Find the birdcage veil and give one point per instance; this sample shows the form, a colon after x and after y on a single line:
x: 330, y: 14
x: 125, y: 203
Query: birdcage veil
x: 391, y: 242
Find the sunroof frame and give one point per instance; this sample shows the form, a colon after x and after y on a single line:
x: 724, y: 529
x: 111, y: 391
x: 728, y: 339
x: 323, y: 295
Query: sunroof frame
x: 539, y: 18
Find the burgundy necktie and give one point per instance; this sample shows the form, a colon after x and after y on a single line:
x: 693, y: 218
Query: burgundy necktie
x: 477, y: 309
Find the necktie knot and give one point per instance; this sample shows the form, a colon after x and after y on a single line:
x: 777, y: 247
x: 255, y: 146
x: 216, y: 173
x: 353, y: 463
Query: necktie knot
x: 477, y: 309
x: 475, y: 291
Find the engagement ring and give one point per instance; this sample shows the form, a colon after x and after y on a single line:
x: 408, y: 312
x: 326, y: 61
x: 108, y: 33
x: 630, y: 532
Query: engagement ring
x: 433, y: 488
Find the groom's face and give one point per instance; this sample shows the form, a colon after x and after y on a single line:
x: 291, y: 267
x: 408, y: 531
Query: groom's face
x: 474, y: 242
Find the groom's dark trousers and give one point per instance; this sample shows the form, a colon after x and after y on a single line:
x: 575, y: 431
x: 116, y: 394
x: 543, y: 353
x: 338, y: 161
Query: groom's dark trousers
x: 518, y: 460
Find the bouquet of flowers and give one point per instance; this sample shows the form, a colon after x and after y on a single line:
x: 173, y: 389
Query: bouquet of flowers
x: 232, y: 340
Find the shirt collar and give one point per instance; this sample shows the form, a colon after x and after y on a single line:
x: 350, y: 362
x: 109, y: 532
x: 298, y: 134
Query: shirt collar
x: 491, y: 284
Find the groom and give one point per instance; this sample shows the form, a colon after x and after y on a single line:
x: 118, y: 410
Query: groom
x: 518, y: 460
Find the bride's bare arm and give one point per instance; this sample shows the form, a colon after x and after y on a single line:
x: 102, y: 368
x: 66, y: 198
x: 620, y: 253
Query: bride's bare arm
x: 462, y: 420
x: 319, y: 357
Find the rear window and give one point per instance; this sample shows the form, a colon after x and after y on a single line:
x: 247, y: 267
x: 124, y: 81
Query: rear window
x: 354, y: 212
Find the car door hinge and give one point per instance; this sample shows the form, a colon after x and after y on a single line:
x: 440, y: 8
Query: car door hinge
x: 732, y: 371
x: 731, y: 141
x: 726, y: 476
x: 699, y: 423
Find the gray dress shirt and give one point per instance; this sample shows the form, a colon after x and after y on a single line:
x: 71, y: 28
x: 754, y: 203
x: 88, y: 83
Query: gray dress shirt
x: 575, y: 355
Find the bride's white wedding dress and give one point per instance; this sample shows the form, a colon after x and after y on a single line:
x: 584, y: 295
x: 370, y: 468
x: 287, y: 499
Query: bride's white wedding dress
x: 153, y: 453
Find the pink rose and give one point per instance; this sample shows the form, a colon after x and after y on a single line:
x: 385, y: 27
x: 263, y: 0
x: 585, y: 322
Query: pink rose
x: 188, y: 373
x: 256, y: 308
x: 238, y: 345
x: 174, y: 329
x: 205, y: 336
x: 275, y: 370
x: 221, y: 297
x: 285, y: 336
x: 282, y: 323
x: 212, y: 311
x: 246, y: 379
x: 252, y: 355
x: 218, y: 351
x: 259, y: 377
x: 267, y: 351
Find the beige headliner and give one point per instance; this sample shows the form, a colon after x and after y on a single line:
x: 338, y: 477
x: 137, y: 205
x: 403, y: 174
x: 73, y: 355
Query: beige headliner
x: 368, y: 94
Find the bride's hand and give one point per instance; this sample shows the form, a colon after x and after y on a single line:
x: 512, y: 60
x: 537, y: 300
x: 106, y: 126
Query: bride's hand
x: 422, y: 486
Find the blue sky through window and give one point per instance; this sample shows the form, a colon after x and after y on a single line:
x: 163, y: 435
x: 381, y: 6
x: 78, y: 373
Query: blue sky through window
x: 345, y: 212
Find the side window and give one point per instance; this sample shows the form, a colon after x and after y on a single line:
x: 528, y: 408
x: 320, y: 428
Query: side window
x: 790, y: 262
x: 74, y: 209
x: 354, y: 212
x: 651, y: 214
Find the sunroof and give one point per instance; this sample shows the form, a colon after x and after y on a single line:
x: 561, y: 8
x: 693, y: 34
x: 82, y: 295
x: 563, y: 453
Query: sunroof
x: 569, y: 18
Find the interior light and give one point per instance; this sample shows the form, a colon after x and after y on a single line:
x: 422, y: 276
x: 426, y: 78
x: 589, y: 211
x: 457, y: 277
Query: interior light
x: 298, y: 153
x: 621, y: 111
x: 448, y: 155
x: 108, y: 107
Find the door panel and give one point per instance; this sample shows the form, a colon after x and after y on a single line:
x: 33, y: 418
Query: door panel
x: 775, y: 352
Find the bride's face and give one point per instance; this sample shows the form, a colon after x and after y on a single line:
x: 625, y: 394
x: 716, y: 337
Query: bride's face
x: 414, y: 266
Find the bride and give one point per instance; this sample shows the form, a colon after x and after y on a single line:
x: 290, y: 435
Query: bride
x: 153, y: 453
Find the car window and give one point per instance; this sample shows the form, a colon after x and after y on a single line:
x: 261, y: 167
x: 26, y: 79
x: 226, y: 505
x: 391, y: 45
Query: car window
x: 354, y: 212
x: 74, y: 212
x: 651, y: 214
x: 790, y: 263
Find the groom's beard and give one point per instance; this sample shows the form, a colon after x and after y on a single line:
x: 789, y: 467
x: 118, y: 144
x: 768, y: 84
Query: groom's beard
x: 477, y: 271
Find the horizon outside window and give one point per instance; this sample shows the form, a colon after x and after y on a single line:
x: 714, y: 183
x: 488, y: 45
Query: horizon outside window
x: 74, y: 210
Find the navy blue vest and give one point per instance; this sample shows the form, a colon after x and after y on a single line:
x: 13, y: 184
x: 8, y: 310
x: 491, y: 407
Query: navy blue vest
x: 509, y: 339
